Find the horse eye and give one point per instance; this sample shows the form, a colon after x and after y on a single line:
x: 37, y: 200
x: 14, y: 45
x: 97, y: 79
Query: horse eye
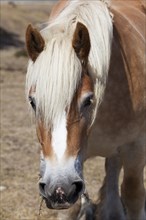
x: 88, y: 101
x: 32, y: 102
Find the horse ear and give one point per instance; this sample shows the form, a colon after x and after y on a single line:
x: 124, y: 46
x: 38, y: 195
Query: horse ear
x: 81, y: 42
x: 34, y: 42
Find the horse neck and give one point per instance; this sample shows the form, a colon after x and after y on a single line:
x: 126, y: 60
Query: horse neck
x: 129, y: 31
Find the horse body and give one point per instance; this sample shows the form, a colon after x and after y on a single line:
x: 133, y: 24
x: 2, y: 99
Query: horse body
x: 102, y: 82
x: 120, y: 123
x: 121, y: 115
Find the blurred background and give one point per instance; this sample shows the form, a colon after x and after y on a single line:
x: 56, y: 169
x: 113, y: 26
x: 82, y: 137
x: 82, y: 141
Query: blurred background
x: 19, y: 194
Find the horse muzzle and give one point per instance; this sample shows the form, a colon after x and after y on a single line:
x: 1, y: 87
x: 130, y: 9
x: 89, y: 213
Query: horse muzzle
x: 61, y: 196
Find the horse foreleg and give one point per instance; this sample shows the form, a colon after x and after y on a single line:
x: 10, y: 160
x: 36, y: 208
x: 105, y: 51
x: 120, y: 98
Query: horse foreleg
x: 133, y: 192
x: 111, y: 207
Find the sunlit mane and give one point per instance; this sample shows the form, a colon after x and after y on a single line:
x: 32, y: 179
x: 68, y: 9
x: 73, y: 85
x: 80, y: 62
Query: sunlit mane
x: 57, y: 71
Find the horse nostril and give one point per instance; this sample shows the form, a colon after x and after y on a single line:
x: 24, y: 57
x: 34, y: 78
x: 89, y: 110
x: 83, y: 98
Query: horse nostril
x: 75, y: 191
x: 79, y: 186
x: 42, y: 187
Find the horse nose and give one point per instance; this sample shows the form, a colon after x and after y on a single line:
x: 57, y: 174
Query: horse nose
x: 62, y: 195
x: 69, y: 193
x: 59, y: 196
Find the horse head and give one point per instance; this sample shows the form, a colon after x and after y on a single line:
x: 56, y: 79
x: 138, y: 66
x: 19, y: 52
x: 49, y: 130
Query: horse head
x: 62, y: 135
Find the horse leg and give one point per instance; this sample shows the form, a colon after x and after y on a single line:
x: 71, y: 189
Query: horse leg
x: 133, y: 192
x: 111, y: 207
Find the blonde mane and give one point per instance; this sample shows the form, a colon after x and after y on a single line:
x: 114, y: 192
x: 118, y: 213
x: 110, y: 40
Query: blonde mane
x: 57, y: 71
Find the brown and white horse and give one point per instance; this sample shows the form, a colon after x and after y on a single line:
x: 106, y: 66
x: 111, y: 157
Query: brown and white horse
x: 86, y: 84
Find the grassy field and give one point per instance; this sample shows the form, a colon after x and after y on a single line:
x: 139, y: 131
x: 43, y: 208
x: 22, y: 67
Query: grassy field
x: 20, y: 198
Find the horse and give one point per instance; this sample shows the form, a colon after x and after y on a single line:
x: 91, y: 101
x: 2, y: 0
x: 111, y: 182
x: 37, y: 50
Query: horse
x: 86, y: 83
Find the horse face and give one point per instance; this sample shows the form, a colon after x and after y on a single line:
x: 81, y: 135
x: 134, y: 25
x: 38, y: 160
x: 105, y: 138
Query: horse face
x: 63, y: 150
x: 64, y: 144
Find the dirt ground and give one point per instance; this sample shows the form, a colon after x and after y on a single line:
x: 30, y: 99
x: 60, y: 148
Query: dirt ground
x: 19, y: 196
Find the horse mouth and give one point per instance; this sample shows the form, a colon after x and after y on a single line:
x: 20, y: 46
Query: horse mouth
x: 57, y: 205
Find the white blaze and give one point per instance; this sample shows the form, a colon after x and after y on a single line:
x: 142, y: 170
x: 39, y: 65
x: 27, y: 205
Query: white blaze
x: 59, y: 137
